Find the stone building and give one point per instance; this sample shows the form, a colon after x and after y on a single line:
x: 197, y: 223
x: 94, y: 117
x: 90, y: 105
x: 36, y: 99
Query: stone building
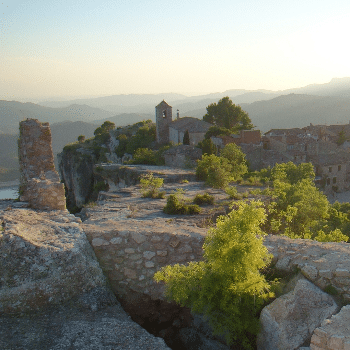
x: 174, y: 131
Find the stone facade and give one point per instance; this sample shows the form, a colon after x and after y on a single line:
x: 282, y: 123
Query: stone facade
x: 40, y: 183
x: 163, y: 119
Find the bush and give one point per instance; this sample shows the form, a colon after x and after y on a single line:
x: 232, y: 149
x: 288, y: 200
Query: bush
x: 232, y: 192
x: 176, y: 204
x: 205, y: 198
x: 144, y: 156
x: 227, y: 286
x: 215, y: 171
x: 150, y: 186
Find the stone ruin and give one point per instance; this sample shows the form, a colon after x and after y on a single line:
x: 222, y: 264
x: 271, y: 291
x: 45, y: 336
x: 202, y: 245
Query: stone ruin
x: 40, y: 184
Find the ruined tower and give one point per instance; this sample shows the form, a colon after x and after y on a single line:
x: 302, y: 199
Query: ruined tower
x: 163, y: 119
x: 40, y: 183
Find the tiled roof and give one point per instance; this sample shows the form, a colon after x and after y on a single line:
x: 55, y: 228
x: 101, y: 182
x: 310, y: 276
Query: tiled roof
x: 193, y: 125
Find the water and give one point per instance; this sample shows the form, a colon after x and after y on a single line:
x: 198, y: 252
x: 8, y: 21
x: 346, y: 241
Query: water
x: 9, y: 192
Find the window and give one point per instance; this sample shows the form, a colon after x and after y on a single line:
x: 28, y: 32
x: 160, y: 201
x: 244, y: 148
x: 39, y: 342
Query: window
x: 328, y: 181
x: 330, y: 169
x: 339, y: 167
x: 334, y: 180
x: 164, y: 114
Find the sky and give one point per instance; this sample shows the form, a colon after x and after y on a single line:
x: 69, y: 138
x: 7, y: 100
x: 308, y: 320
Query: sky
x: 71, y: 48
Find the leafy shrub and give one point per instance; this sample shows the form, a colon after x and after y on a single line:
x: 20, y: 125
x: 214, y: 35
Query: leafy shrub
x: 227, y: 286
x: 205, y: 198
x: 144, y: 156
x: 176, y: 204
x: 150, y: 186
x: 215, y: 171
x: 233, y: 193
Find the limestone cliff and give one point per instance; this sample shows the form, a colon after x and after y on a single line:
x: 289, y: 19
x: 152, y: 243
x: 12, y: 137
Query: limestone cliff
x: 76, y: 171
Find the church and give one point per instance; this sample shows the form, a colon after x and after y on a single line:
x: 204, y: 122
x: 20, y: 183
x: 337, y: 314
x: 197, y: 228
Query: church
x: 169, y: 130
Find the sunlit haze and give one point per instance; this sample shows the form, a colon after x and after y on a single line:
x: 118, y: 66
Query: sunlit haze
x: 93, y: 48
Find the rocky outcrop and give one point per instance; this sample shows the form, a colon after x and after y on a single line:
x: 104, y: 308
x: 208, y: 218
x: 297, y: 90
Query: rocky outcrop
x: 40, y: 183
x: 334, y: 333
x: 53, y: 294
x: 76, y: 171
x: 289, y: 321
x: 327, y: 265
x: 45, y: 259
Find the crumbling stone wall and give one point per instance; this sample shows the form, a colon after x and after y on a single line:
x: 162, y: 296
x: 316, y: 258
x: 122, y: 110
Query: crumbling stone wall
x: 130, y: 257
x: 40, y: 183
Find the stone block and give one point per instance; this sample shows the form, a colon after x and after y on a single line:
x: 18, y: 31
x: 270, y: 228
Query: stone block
x: 138, y: 237
x: 98, y: 242
x: 116, y: 240
x: 148, y: 255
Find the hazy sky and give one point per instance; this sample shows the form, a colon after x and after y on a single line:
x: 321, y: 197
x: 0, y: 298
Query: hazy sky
x: 84, y: 47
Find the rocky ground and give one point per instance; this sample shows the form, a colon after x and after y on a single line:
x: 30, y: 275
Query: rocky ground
x: 53, y: 294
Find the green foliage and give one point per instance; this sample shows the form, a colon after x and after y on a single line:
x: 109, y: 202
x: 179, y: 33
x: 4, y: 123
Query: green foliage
x: 143, y: 138
x: 100, y: 186
x: 176, y: 204
x: 341, y: 137
x: 121, y: 149
x: 215, y: 171
x: 331, y: 290
x: 150, y: 186
x: 81, y: 138
x: 102, y: 132
x: 232, y: 192
x: 144, y: 156
x: 205, y: 198
x: 332, y: 236
x: 228, y: 115
x: 236, y: 159
x: 207, y: 147
x: 226, y: 286
x: 291, y: 173
x: 216, y: 131
x: 297, y: 208
x: 186, y: 139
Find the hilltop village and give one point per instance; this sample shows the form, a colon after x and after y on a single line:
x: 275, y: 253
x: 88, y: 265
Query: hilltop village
x: 327, y: 147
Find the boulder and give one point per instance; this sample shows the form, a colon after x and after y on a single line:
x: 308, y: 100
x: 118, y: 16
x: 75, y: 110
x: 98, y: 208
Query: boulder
x: 334, y: 333
x: 289, y: 321
x: 45, y: 259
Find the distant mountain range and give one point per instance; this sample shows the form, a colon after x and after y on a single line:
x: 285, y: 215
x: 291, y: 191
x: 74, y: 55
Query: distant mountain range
x: 318, y: 104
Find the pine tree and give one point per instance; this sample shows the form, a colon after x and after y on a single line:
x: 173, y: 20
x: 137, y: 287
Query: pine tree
x: 186, y: 139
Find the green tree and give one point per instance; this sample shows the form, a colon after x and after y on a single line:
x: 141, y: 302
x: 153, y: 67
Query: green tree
x: 236, y: 159
x: 216, y: 131
x: 143, y: 138
x: 186, y: 139
x: 215, y: 171
x: 81, y: 138
x: 291, y: 173
x: 207, y: 146
x: 226, y: 114
x: 341, y: 137
x: 227, y: 286
x: 144, y: 156
x: 102, y: 132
